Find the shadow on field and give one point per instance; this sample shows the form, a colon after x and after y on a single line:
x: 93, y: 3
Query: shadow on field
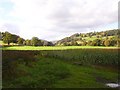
x: 59, y: 69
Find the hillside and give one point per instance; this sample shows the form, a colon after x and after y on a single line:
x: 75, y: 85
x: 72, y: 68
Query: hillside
x: 103, y: 38
x: 91, y: 39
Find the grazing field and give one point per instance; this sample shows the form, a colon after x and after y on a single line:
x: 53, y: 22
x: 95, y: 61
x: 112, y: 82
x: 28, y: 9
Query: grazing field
x: 55, y: 47
x: 75, y: 68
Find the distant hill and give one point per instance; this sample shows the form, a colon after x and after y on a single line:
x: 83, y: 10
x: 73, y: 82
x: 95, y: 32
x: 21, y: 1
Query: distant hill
x: 103, y: 38
x: 92, y: 39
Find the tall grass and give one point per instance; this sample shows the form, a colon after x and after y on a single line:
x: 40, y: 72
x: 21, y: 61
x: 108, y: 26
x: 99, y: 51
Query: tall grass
x: 43, y: 74
x: 86, y: 56
x: 45, y: 69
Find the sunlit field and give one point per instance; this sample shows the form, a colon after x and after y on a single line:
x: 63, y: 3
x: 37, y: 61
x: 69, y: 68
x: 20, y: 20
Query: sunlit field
x: 55, y: 47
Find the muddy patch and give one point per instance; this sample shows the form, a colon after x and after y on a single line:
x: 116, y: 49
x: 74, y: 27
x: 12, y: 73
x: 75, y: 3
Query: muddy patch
x: 102, y: 80
x: 107, y: 82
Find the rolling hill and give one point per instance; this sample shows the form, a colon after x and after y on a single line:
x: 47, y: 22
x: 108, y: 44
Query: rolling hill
x: 90, y: 38
x: 103, y: 38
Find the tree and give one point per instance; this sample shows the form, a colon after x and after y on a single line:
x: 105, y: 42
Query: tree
x: 74, y: 43
x: 98, y: 36
x: 75, y: 35
x: 65, y: 44
x: 20, y: 41
x: 24, y: 42
x: 97, y: 42
x: 93, y: 43
x: 113, y: 42
x: 7, y: 38
x: 84, y: 43
x: 15, y: 38
x: 40, y: 43
x: 102, y: 43
x: 35, y: 41
x: 118, y: 43
x: 80, y: 38
x: 27, y: 42
x: 107, y: 42
x: 89, y: 43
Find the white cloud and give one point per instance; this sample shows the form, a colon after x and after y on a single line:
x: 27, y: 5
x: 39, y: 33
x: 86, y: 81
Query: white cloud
x: 54, y: 19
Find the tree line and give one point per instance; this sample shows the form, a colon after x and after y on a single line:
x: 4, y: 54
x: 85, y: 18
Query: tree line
x: 103, y: 38
x: 8, y: 38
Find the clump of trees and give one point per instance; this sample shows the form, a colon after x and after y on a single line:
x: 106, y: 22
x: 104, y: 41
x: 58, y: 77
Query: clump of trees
x: 104, y: 38
x: 20, y: 41
x: 97, y: 42
x: 36, y: 42
x: 8, y: 38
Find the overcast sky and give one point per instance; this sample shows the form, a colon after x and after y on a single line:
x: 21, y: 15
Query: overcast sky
x: 56, y: 19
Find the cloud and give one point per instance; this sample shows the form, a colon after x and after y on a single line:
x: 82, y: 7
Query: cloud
x: 55, y: 19
x: 10, y: 28
x: 86, y: 15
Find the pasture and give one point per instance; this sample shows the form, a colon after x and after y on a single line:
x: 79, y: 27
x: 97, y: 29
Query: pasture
x: 55, y: 47
x: 59, y: 67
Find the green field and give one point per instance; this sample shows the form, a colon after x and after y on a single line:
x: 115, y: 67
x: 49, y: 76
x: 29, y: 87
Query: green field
x: 54, y: 73
x: 59, y: 66
x: 55, y: 47
x: 1, y: 42
x: 74, y: 68
x: 94, y: 37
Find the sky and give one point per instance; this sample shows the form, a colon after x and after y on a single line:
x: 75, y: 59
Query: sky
x: 55, y: 19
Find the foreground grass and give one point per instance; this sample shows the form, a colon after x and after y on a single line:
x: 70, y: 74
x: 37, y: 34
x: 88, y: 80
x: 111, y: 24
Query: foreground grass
x: 54, y: 73
x: 55, y: 47
x: 75, y: 68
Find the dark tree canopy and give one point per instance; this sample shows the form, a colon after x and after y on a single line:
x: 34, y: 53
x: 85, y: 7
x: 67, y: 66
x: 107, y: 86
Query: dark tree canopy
x: 103, y: 38
x: 7, y: 38
x: 34, y: 41
x: 20, y: 41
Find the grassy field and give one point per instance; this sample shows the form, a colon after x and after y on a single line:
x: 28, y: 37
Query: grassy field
x: 76, y: 68
x: 53, y: 73
x: 54, y: 47
x: 59, y: 66
x: 94, y: 38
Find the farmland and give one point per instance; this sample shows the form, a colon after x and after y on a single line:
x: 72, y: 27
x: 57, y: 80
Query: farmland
x: 80, y: 61
x: 55, y: 47
x: 54, y: 68
x: 59, y: 44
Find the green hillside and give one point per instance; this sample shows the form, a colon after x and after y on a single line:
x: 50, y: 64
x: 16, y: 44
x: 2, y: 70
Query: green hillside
x: 103, y: 38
